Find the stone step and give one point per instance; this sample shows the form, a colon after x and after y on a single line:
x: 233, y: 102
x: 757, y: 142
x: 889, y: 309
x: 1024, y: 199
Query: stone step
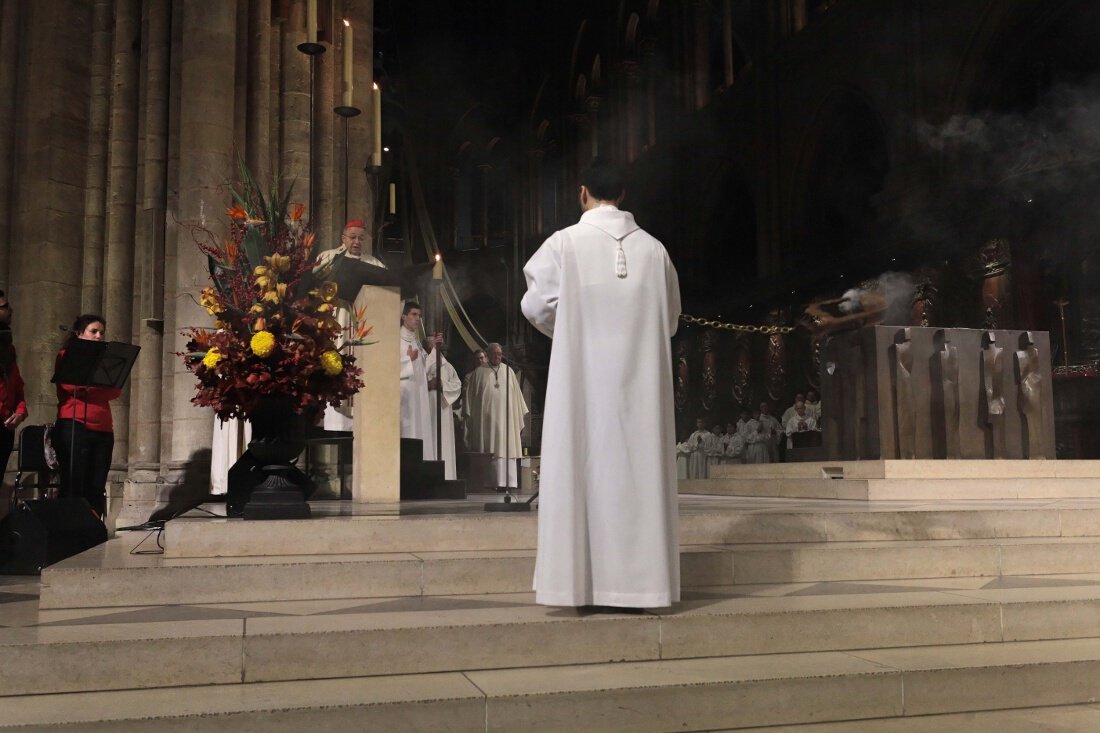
x: 495, y: 632
x: 896, y: 489
x: 473, y: 532
x: 925, y: 469
x: 1066, y: 718
x: 666, y: 695
x: 109, y: 576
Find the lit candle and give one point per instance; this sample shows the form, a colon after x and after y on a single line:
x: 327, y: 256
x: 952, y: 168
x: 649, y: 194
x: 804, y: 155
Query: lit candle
x: 393, y: 198
x: 311, y: 21
x: 376, y: 102
x: 437, y: 268
x: 348, y: 65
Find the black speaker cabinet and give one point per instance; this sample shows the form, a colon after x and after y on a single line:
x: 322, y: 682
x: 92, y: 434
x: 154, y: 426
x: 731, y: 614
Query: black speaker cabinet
x: 44, y: 531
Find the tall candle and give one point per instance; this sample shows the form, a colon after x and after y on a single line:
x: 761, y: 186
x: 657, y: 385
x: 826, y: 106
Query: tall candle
x: 311, y: 21
x: 376, y: 102
x: 393, y: 198
x: 348, y: 65
x: 437, y: 268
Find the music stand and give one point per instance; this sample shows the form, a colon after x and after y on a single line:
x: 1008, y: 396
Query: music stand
x: 88, y: 363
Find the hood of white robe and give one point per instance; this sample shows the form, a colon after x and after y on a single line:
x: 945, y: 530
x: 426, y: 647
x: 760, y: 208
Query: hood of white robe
x: 610, y: 220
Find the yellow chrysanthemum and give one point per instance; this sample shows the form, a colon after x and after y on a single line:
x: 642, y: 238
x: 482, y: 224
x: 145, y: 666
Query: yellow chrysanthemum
x: 212, y: 358
x: 262, y: 343
x: 332, y: 363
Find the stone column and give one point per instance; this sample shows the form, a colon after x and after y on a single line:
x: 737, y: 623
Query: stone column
x: 139, y: 496
x: 9, y: 55
x: 95, y: 178
x: 294, y: 144
x: 700, y: 56
x: 206, y: 162
x: 727, y: 42
x: 118, y: 290
x: 361, y: 15
x: 257, y: 140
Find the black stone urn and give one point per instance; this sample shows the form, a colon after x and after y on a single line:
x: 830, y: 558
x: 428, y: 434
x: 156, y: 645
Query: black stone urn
x: 273, y: 486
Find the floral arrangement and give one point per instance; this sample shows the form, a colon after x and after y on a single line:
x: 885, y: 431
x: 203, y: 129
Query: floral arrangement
x: 275, y: 331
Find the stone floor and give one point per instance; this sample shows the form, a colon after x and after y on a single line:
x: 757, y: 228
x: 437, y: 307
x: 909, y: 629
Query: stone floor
x: 866, y: 643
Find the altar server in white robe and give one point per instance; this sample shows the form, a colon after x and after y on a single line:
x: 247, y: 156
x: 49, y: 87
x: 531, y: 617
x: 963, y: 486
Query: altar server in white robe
x: 450, y: 388
x: 607, y: 293
x: 493, y: 411
x: 698, y: 442
x: 758, y: 440
x: 416, y: 420
x: 351, y: 247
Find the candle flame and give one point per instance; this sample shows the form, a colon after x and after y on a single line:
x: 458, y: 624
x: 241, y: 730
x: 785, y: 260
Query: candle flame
x: 437, y: 257
x: 347, y: 22
x: 375, y: 85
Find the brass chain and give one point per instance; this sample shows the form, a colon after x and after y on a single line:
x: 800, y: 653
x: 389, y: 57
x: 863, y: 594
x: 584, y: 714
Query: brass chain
x: 709, y: 323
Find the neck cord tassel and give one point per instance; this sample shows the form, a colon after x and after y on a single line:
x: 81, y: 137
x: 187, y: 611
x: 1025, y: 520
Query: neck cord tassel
x: 620, y: 261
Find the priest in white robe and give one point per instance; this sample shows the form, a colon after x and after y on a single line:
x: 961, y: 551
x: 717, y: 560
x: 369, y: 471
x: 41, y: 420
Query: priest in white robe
x: 758, y: 440
x: 351, y: 247
x: 607, y: 293
x: 449, y: 389
x: 774, y: 429
x: 493, y: 411
x: 800, y: 422
x: 416, y: 420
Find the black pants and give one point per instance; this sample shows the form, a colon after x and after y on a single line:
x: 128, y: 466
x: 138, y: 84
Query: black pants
x: 90, y: 464
x: 7, y: 442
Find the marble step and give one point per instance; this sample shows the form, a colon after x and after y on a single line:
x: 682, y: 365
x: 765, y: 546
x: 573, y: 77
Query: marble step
x: 493, y: 632
x: 924, y: 469
x: 108, y: 576
x: 897, y: 489
x: 1065, y: 718
x: 650, y: 696
x: 474, y: 532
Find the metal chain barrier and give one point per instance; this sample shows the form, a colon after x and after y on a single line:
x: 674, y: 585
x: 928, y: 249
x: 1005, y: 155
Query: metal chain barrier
x: 709, y: 323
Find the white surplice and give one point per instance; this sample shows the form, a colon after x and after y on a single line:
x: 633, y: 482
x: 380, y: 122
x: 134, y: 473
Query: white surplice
x: 493, y: 411
x: 229, y: 443
x: 608, y: 521
x: 451, y: 391
x: 416, y: 421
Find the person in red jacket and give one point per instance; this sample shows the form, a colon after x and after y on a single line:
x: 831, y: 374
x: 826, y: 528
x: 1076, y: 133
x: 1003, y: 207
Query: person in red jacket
x: 84, y: 423
x: 13, y: 407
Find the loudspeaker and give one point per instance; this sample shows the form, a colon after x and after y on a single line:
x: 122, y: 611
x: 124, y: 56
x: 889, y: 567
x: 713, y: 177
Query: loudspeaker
x: 44, y: 531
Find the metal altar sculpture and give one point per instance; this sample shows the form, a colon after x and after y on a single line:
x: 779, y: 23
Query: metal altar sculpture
x: 908, y: 392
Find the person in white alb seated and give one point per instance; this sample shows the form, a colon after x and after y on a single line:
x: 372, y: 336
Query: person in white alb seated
x: 800, y: 422
x: 416, y: 420
x: 493, y: 410
x: 351, y: 247
x: 450, y: 389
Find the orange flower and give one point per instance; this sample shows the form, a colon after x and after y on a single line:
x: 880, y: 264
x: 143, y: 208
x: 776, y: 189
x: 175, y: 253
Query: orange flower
x: 308, y: 241
x: 236, y: 211
x: 296, y: 211
x: 232, y: 252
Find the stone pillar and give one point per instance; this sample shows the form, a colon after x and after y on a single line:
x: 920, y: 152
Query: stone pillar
x: 727, y: 42
x: 9, y: 55
x: 50, y: 160
x: 118, y: 290
x: 95, y: 178
x: 294, y: 158
x: 258, y: 126
x: 139, y: 496
x: 206, y: 162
